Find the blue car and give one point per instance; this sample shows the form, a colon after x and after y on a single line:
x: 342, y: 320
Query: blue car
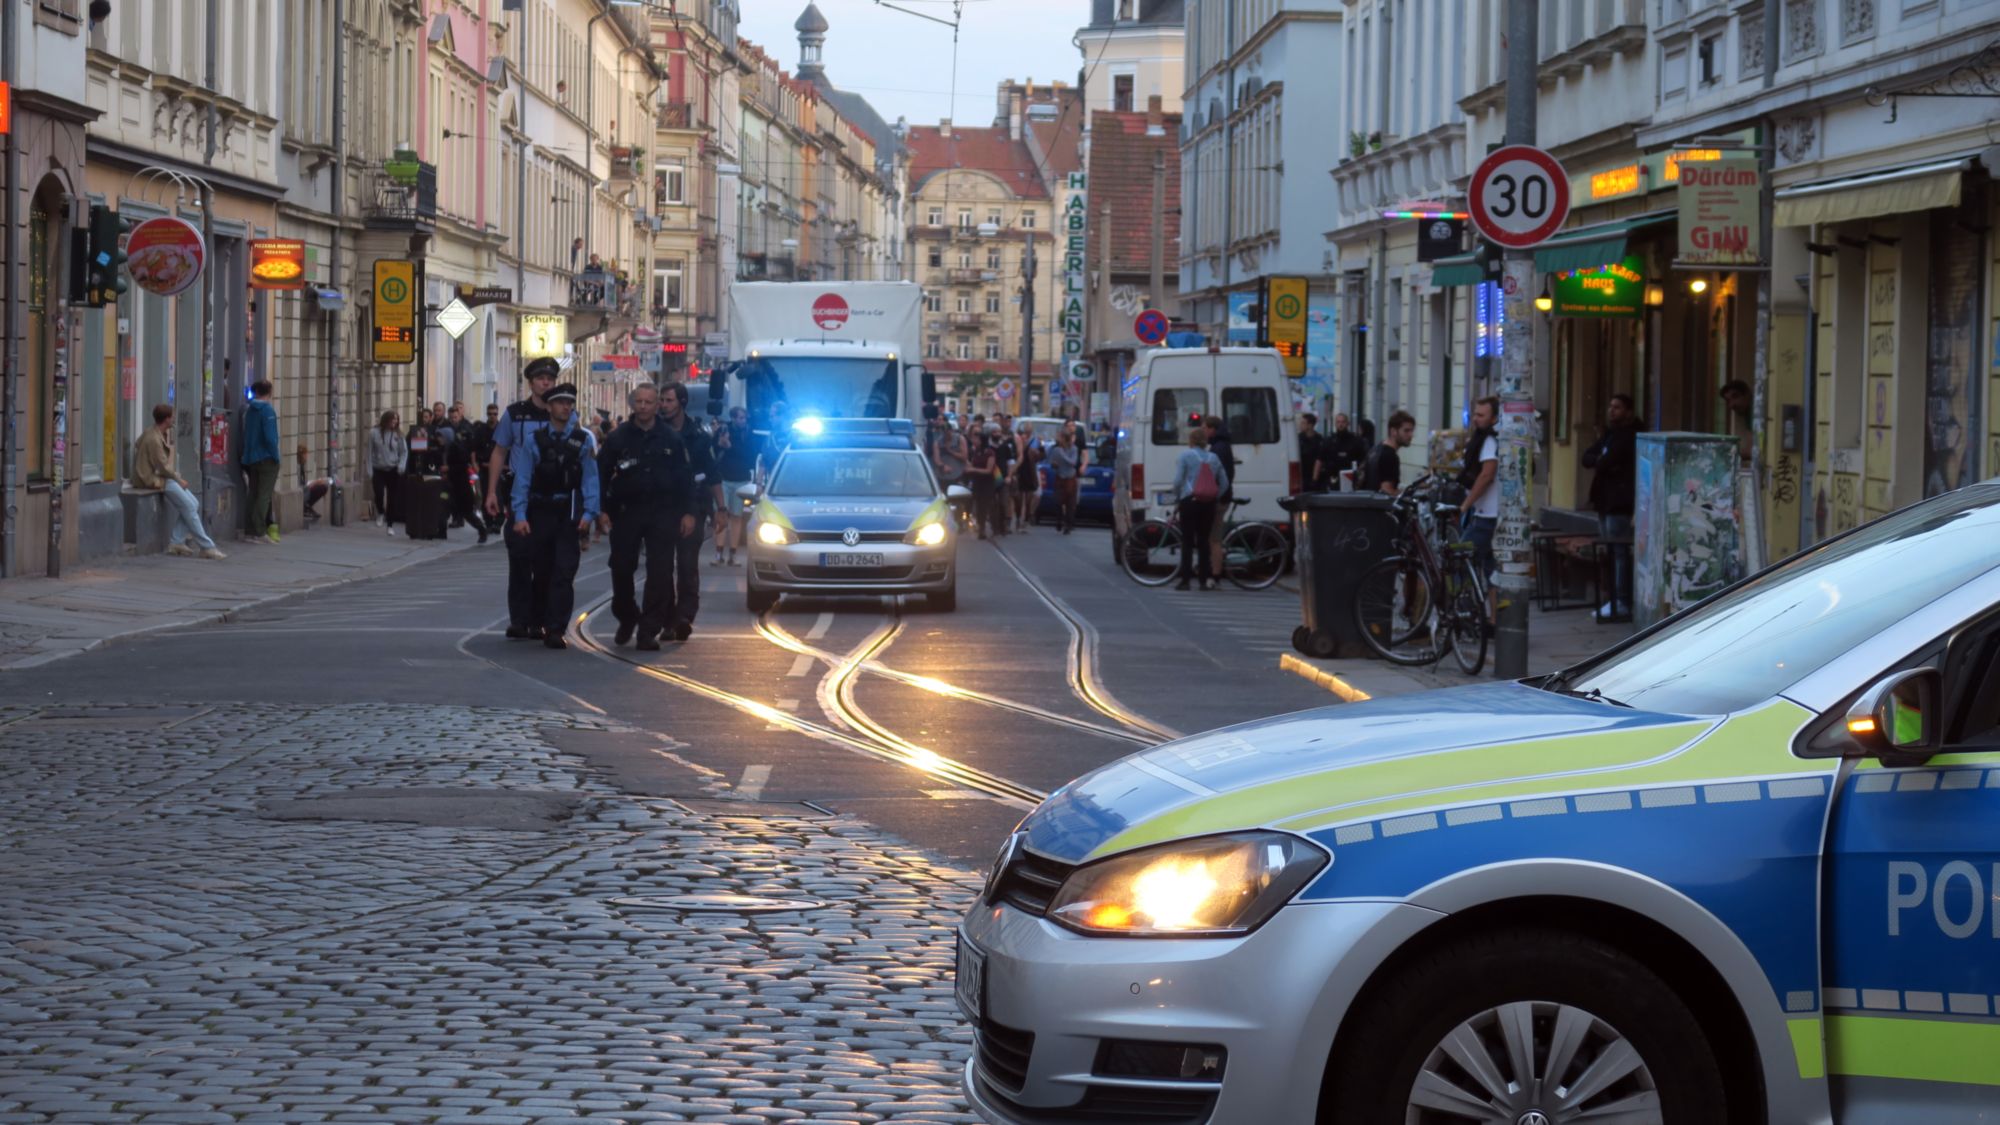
x: 1093, y: 497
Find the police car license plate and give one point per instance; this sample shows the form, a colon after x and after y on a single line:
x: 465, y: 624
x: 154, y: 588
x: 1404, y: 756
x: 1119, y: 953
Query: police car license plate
x: 971, y: 986
x: 830, y: 560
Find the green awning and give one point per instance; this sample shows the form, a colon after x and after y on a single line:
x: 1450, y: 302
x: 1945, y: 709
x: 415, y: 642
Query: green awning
x: 1601, y: 244
x: 1459, y: 269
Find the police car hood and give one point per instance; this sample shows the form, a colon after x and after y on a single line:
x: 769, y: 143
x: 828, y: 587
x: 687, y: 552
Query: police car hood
x: 1313, y: 767
x: 859, y: 513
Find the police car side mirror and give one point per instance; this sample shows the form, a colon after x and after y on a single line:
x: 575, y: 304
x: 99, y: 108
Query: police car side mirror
x: 748, y: 494
x: 1897, y: 720
x: 958, y: 494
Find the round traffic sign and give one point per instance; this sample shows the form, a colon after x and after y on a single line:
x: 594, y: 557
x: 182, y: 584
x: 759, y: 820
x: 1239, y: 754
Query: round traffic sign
x: 1519, y: 196
x: 1150, y: 326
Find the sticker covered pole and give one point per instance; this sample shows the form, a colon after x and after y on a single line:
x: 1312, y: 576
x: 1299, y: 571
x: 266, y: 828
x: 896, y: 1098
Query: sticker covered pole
x: 1512, y: 579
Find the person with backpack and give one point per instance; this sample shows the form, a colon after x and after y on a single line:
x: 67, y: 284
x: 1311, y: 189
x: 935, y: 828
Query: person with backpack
x: 1200, y: 482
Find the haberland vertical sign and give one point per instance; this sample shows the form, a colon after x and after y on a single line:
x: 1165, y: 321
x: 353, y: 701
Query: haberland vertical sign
x: 1720, y: 219
x: 1073, y: 374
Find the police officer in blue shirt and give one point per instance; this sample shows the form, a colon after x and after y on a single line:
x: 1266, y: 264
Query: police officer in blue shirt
x: 526, y: 606
x: 554, y: 503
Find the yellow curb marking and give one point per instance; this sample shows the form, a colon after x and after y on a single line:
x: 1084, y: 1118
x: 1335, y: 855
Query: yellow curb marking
x: 1323, y: 678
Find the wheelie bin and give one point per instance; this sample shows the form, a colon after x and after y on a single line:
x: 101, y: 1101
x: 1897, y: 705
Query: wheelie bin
x: 1339, y: 536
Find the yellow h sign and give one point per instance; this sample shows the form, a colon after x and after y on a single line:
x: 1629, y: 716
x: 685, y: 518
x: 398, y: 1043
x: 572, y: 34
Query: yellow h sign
x: 395, y: 312
x: 1285, y: 320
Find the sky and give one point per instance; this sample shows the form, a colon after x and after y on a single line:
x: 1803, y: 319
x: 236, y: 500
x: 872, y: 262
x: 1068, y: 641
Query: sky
x: 902, y: 63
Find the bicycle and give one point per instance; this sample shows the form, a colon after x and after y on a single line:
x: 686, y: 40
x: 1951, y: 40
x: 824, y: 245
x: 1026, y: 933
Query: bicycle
x: 1254, y: 552
x: 1414, y: 606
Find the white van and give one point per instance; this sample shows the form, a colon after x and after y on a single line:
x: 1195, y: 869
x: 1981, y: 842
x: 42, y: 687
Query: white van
x: 1174, y: 388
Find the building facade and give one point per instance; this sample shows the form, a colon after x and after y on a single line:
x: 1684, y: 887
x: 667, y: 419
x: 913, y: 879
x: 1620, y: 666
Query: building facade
x: 1133, y: 51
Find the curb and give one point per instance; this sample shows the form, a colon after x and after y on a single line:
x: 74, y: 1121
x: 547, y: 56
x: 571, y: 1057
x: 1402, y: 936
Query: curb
x: 1346, y: 691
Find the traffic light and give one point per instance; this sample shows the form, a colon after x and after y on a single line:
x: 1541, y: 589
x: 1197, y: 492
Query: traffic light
x: 104, y: 273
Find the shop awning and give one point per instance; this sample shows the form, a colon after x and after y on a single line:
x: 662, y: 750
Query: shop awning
x: 1921, y: 187
x: 1459, y: 269
x: 1586, y: 248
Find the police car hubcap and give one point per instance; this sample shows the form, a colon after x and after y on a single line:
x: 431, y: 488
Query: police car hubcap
x: 1534, y: 1063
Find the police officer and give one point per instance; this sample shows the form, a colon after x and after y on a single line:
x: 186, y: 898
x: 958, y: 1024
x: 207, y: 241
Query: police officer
x: 703, y: 502
x: 554, y: 502
x: 646, y: 479
x: 526, y: 608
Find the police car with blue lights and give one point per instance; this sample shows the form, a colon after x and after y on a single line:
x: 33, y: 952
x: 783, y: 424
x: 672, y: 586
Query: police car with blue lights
x: 851, y: 506
x: 1742, y: 867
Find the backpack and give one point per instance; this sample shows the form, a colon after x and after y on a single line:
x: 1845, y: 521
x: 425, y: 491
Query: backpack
x: 1205, y: 487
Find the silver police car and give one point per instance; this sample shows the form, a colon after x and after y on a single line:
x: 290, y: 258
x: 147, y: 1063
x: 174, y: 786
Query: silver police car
x: 852, y: 508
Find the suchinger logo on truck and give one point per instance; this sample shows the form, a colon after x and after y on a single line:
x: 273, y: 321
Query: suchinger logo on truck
x: 829, y: 312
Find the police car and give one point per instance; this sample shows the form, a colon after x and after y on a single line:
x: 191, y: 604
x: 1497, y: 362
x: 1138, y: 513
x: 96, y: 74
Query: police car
x: 852, y: 507
x: 1745, y: 866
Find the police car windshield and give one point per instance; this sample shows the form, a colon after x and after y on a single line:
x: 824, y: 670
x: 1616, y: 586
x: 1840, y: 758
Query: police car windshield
x: 1759, y: 638
x: 850, y: 472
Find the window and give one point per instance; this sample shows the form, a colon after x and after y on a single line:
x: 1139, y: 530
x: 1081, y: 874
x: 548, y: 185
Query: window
x: 933, y: 302
x: 992, y: 347
x: 965, y: 302
x: 934, y: 217
x: 1251, y: 413
x: 1121, y: 93
x: 965, y: 218
x: 59, y: 14
x: 935, y: 256
x: 992, y: 301
x: 1174, y: 410
x: 965, y: 259
x: 667, y: 281
x: 1027, y: 220
x: 670, y: 184
x: 1705, y: 59
x: 993, y: 216
x: 934, y: 347
x: 965, y: 347
x: 993, y: 258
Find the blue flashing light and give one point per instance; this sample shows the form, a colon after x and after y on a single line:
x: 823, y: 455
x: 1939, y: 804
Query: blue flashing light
x: 811, y: 427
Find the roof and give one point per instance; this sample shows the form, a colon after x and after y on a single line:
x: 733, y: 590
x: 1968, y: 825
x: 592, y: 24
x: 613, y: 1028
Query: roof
x: 988, y: 150
x: 1058, y: 140
x: 857, y: 111
x: 1121, y: 177
x: 810, y: 21
x: 1151, y: 13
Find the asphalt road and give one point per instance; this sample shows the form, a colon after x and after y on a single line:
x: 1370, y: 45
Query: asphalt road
x: 1052, y: 664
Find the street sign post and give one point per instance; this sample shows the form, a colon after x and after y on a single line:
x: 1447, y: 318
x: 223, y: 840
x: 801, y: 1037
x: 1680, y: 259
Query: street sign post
x: 1519, y: 196
x: 1150, y: 326
x: 395, y: 311
x: 1285, y: 321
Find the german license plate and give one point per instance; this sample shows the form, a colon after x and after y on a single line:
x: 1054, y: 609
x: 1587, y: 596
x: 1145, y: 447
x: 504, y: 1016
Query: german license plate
x: 971, y: 985
x: 830, y: 560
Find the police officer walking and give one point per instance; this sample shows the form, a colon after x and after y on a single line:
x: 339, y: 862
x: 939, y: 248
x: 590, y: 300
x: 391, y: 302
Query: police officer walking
x: 516, y: 430
x: 554, y: 503
x: 647, y: 481
x: 705, y: 499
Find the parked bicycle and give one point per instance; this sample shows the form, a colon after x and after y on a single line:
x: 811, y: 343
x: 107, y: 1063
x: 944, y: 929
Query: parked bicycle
x: 1425, y: 600
x: 1254, y: 552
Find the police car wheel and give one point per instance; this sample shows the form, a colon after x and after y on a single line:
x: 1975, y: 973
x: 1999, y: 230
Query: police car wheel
x: 1523, y: 1026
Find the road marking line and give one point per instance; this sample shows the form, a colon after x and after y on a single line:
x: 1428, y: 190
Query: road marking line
x: 1325, y: 679
x: 820, y: 627
x: 783, y: 705
x: 751, y: 787
x: 801, y: 666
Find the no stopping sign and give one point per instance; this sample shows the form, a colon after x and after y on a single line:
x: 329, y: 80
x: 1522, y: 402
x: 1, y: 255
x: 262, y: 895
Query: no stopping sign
x: 1519, y: 196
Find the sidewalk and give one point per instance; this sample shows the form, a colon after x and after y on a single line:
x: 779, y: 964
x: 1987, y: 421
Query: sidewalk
x: 46, y: 619
x: 1555, y: 641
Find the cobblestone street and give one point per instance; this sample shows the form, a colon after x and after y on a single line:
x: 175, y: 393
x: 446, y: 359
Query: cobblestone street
x: 369, y: 913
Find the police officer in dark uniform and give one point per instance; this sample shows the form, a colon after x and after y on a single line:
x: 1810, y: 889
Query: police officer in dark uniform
x: 704, y: 500
x: 555, y: 502
x: 646, y: 479
x: 526, y: 608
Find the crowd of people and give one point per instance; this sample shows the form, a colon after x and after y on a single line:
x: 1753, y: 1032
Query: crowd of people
x: 999, y: 461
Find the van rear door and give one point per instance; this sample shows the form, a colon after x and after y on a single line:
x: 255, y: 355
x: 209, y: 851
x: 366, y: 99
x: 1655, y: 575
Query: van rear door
x: 1254, y: 402
x: 1181, y: 391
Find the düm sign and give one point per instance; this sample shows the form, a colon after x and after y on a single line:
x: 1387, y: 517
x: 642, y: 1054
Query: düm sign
x: 1719, y: 219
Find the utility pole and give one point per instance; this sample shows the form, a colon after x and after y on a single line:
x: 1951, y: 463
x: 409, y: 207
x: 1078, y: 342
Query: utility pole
x: 336, y: 504
x: 1760, y: 377
x: 218, y: 481
x: 1027, y: 316
x: 10, y: 430
x: 1512, y: 582
x: 1157, y: 282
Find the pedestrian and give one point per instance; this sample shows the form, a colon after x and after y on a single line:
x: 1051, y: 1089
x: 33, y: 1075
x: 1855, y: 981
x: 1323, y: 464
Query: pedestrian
x: 1736, y: 402
x: 456, y: 437
x: 153, y: 468
x: 1341, y: 451
x: 482, y: 455
x: 1613, y: 493
x: 645, y: 478
x: 1383, y: 471
x: 704, y: 498
x: 260, y: 462
x: 388, y: 452
x: 555, y: 505
x: 1479, y: 512
x: 420, y: 439
x: 983, y: 476
x: 1200, y: 482
x: 1310, y: 442
x: 736, y: 462
x: 526, y: 603
x: 1224, y: 449
x: 1065, y: 461
x: 1002, y: 444
x: 1027, y: 473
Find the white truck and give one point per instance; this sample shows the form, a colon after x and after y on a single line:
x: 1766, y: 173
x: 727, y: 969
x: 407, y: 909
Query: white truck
x: 836, y: 349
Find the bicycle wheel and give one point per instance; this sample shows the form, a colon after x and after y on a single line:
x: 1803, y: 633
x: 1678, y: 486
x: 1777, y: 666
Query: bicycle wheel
x: 1467, y: 617
x: 1396, y: 614
x: 1253, y: 555
x: 1152, y: 554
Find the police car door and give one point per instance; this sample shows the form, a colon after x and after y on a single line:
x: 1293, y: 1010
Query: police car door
x: 1912, y: 973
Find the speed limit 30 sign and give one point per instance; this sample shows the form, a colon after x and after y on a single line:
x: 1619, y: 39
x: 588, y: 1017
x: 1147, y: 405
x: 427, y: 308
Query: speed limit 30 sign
x: 1519, y: 196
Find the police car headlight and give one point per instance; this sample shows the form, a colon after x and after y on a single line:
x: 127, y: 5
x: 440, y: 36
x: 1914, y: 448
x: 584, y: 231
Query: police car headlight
x: 772, y: 535
x: 1214, y: 886
x: 929, y: 535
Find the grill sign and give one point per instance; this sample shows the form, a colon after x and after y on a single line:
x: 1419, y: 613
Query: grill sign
x: 1719, y: 213
x: 829, y: 312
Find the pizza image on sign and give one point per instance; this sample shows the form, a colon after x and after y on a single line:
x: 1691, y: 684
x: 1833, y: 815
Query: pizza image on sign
x: 164, y: 255
x: 277, y: 263
x: 829, y: 312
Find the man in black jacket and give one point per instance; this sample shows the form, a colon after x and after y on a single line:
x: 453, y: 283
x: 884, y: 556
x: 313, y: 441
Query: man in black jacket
x: 647, y: 481
x: 704, y: 498
x: 1613, y: 489
x: 1220, y: 444
x: 1342, y: 450
x: 1310, y: 442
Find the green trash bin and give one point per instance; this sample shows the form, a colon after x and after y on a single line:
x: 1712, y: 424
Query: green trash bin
x: 1339, y: 536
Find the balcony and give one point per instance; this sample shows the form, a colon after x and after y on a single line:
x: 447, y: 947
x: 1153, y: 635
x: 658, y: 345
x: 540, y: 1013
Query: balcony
x: 965, y: 232
x: 627, y: 163
x: 962, y: 275
x: 966, y: 319
x: 601, y: 292
x: 403, y: 197
x: 675, y: 115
